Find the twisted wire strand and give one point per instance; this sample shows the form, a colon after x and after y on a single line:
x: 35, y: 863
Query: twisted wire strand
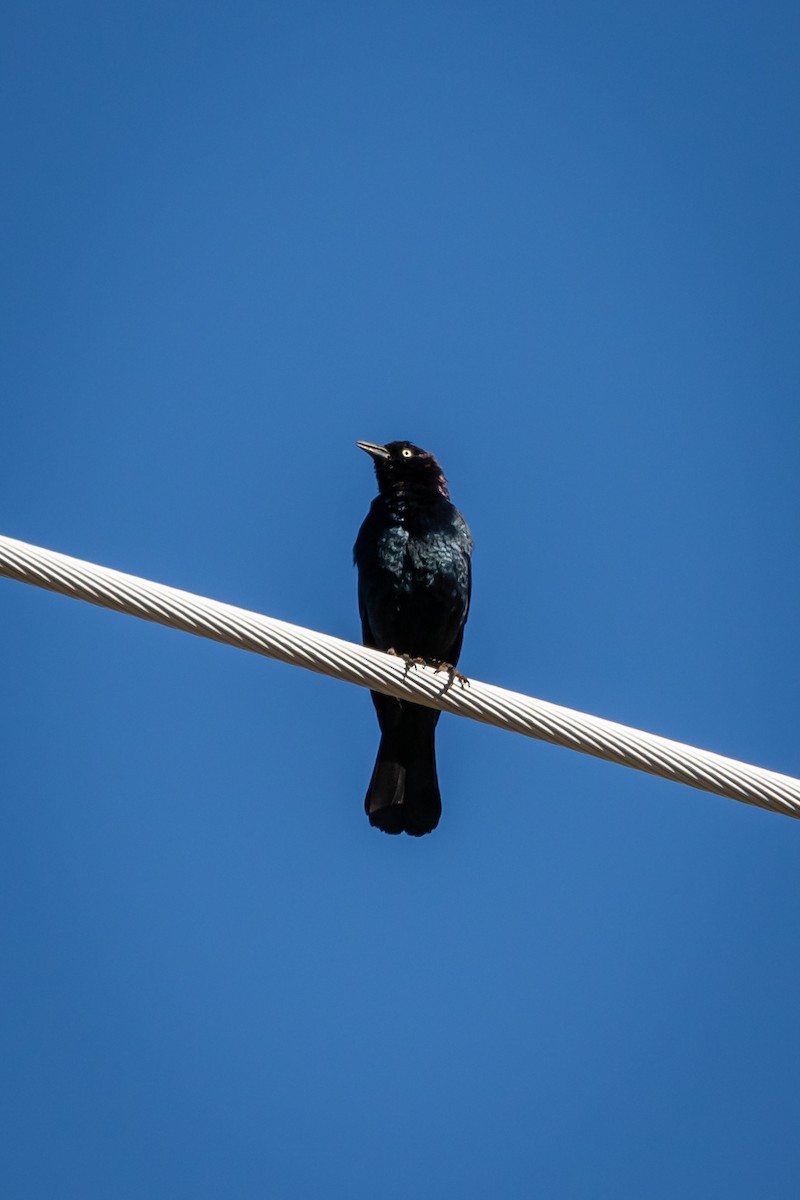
x: 384, y: 673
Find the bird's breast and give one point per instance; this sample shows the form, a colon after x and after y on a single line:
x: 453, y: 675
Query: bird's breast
x: 421, y: 563
x: 414, y: 579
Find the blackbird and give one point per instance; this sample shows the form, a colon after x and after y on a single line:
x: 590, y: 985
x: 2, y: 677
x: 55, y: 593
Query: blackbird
x: 413, y: 554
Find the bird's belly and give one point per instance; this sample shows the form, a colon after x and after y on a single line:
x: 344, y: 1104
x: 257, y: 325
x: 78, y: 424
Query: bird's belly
x: 418, y: 606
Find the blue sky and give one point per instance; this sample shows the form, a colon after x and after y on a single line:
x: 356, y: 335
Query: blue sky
x: 557, y: 244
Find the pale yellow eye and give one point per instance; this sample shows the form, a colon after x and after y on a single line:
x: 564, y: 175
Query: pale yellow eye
x: 407, y: 453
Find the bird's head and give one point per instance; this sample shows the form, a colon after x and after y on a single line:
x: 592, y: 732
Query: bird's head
x: 403, y: 468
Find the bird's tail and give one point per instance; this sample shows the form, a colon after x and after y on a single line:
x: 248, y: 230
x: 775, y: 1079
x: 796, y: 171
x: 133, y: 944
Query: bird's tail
x: 403, y: 794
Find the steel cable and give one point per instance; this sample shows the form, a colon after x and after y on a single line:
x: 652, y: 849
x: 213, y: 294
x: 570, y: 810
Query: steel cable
x: 386, y: 673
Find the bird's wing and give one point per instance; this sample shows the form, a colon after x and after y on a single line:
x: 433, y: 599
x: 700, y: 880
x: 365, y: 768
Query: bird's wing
x: 367, y: 636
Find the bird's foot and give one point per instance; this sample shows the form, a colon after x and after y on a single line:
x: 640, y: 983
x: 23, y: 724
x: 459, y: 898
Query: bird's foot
x: 452, y: 674
x: 437, y: 664
x: 409, y: 659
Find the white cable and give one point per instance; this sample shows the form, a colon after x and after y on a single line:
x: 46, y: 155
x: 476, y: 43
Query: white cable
x: 385, y: 673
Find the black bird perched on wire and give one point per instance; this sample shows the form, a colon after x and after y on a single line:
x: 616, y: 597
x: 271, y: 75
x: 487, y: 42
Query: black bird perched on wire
x: 414, y: 582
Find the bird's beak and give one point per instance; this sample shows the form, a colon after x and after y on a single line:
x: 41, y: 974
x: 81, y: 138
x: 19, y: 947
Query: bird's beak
x: 373, y: 450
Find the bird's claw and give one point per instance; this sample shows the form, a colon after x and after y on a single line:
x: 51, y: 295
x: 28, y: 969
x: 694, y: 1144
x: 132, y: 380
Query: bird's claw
x: 452, y: 674
x: 409, y: 659
x: 436, y: 664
